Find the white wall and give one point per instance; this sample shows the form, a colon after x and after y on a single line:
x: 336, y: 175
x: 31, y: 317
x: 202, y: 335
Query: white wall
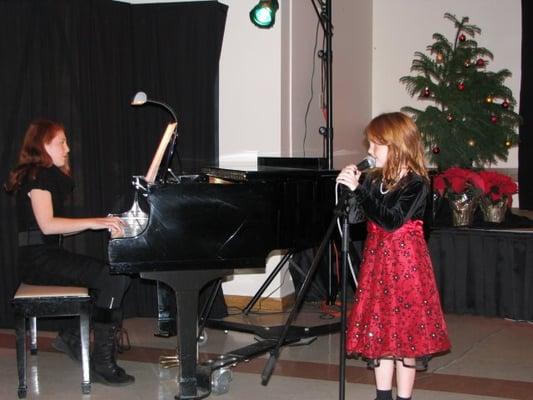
x: 250, y: 115
x: 352, y: 78
x: 298, y: 80
x: 250, y: 89
x: 402, y: 27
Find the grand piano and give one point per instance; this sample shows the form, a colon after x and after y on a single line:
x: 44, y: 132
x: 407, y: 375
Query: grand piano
x: 186, y: 231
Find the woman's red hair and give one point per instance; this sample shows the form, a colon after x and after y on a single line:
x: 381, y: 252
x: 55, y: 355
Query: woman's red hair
x: 33, y: 153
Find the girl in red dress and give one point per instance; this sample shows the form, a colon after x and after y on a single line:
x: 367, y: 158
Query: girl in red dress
x: 396, y: 321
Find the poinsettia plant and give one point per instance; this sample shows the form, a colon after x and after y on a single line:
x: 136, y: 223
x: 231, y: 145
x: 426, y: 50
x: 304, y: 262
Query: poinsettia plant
x: 498, y: 186
x: 457, y: 180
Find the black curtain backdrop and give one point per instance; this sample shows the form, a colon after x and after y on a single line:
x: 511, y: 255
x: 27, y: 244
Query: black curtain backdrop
x: 525, y: 149
x: 80, y: 62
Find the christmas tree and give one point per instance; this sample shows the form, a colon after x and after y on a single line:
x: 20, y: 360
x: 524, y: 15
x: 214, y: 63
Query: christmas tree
x: 471, y: 122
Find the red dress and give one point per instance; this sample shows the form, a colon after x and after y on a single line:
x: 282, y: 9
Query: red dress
x: 397, y: 310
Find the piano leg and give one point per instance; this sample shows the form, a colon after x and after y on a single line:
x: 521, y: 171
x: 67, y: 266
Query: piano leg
x: 194, y: 382
x: 166, y: 320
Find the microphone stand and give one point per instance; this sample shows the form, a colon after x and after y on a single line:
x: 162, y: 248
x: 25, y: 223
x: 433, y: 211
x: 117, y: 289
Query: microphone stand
x: 340, y: 211
x: 344, y: 297
x: 324, y: 14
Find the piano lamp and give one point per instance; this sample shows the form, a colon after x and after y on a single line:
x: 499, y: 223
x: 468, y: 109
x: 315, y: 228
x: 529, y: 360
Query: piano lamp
x: 159, y: 171
x: 263, y: 15
x: 140, y: 99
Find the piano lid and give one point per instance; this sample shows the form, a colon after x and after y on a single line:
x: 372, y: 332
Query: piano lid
x: 271, y: 168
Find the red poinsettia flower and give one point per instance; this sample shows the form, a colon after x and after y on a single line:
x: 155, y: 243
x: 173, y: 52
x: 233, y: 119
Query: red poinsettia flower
x: 439, y: 184
x: 498, y: 186
x: 458, y: 180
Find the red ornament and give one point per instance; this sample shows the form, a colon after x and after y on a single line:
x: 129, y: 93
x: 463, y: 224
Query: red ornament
x: 505, y: 104
x: 493, y: 118
x: 462, y: 37
x: 480, y: 62
x: 461, y: 86
x: 467, y: 63
x: 449, y: 117
x: 436, y: 150
x: 426, y: 92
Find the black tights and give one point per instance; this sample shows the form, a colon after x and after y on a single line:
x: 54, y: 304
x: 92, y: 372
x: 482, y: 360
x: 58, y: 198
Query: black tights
x: 107, y: 316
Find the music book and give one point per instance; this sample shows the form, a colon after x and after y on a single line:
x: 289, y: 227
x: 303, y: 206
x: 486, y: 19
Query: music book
x: 158, y: 156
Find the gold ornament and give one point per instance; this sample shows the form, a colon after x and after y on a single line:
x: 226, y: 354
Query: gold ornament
x: 440, y: 57
x: 471, y: 142
x: 508, y: 143
x: 489, y: 99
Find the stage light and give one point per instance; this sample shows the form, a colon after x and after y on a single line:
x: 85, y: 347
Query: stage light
x: 263, y: 15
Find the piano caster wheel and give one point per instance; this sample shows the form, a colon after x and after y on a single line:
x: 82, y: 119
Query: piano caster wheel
x: 202, y: 339
x: 220, y: 380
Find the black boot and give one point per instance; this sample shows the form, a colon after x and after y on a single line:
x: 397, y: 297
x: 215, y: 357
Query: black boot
x: 104, y: 368
x: 68, y: 341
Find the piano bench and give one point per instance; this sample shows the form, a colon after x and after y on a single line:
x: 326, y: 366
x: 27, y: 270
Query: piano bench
x: 31, y: 302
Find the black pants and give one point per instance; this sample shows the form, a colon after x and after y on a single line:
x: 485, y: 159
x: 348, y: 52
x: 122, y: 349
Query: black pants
x: 51, y: 265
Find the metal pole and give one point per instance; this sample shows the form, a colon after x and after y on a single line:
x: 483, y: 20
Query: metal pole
x: 344, y: 299
x: 329, y: 81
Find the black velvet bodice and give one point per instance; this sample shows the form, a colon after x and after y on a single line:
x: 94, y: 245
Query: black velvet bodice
x: 392, y: 209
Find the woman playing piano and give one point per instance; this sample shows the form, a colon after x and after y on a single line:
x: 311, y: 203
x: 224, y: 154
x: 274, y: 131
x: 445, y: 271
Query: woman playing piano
x: 396, y: 318
x: 42, y: 182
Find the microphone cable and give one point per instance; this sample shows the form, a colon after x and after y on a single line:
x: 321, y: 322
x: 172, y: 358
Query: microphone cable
x: 340, y: 233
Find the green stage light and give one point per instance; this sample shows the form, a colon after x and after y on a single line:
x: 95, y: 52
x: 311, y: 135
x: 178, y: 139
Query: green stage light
x: 263, y: 15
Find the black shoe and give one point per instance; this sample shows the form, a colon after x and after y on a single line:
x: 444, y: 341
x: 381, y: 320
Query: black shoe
x: 110, y: 376
x: 69, y: 342
x: 104, y: 368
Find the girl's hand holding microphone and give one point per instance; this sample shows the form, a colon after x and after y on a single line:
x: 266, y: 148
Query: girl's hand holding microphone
x: 349, y: 177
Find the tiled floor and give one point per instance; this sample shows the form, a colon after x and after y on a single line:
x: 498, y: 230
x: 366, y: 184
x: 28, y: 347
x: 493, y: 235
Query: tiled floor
x: 491, y: 359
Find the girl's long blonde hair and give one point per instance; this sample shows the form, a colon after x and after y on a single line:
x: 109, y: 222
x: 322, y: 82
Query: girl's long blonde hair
x: 400, y: 134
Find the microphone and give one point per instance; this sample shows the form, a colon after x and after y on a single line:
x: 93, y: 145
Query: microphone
x: 346, y: 193
x: 368, y: 162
